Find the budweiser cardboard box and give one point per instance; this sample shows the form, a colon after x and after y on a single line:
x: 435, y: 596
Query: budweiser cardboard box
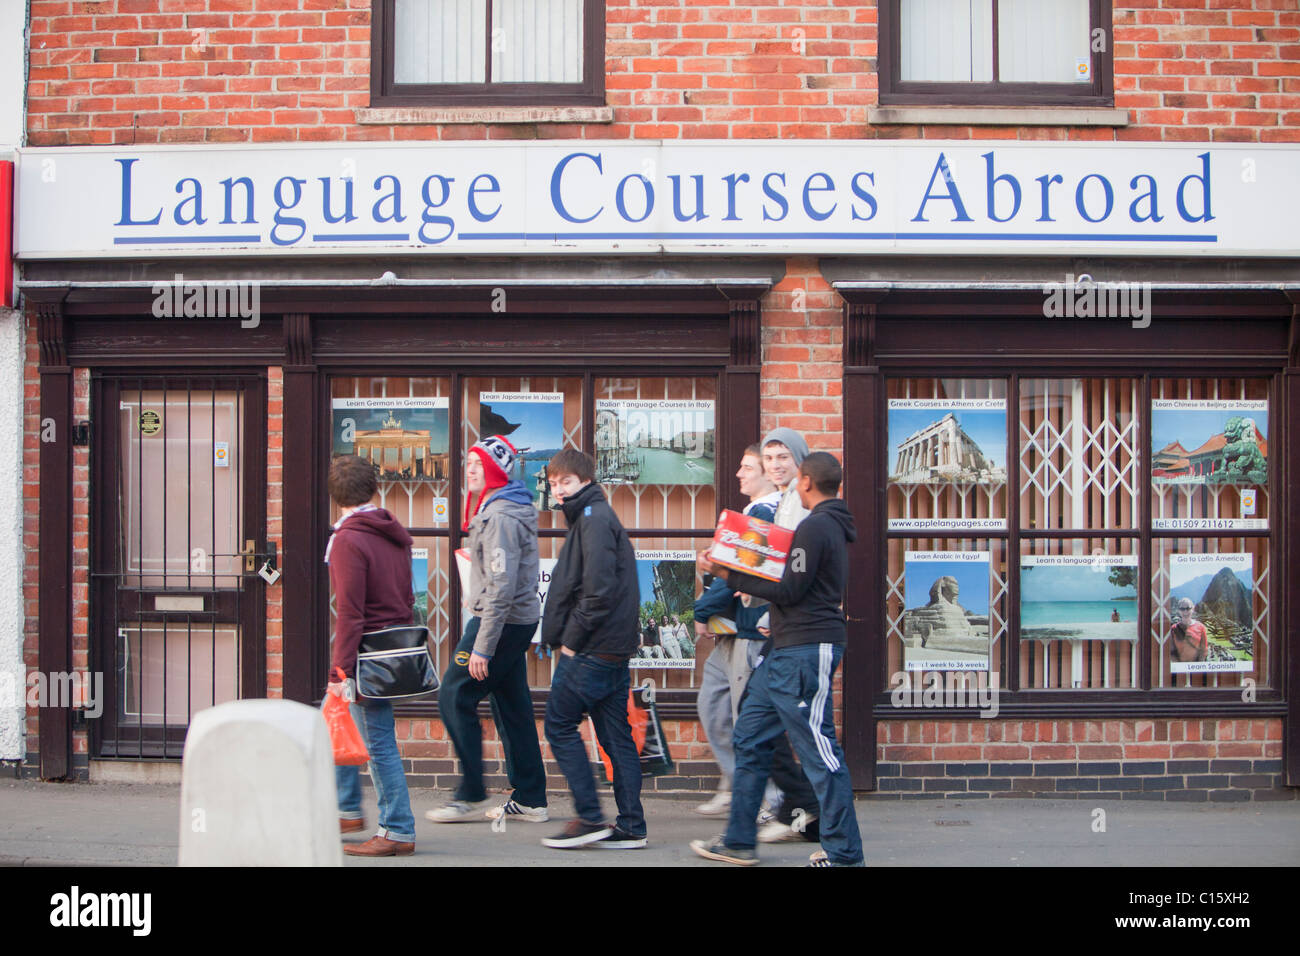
x: 750, y: 545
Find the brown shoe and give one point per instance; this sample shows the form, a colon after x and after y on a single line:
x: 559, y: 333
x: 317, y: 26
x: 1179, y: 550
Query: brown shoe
x: 351, y: 826
x: 379, y: 846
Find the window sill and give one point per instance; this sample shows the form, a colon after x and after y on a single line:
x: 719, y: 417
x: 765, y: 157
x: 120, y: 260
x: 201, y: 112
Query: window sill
x: 437, y: 115
x: 996, y: 116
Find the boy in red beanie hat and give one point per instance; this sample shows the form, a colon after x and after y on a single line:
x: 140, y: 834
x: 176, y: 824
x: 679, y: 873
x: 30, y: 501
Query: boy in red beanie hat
x: 491, y: 659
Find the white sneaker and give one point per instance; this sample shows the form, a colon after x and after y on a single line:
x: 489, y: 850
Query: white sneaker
x: 517, y: 811
x: 458, y: 811
x: 765, y: 816
x: 718, y: 806
x: 777, y: 832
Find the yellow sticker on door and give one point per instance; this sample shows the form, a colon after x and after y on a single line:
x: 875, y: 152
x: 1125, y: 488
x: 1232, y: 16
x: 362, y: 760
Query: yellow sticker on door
x: 150, y: 422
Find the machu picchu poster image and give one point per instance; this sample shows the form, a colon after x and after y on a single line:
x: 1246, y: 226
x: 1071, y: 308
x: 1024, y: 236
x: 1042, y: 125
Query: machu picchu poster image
x: 1211, y: 444
x: 946, y: 610
x: 1211, y: 609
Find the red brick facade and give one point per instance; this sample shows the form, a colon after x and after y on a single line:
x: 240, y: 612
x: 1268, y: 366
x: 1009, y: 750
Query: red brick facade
x: 207, y: 71
x: 210, y: 71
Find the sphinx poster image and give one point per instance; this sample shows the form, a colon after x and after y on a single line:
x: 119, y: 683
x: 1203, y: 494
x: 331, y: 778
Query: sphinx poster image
x: 660, y: 442
x: 1205, y: 446
x: 946, y: 610
x: 948, y: 442
x: 406, y: 438
x: 533, y: 422
x: 1078, y: 597
x: 1211, y: 613
x: 667, y: 618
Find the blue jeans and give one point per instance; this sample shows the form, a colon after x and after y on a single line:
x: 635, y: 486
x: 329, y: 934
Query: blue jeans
x: 790, y: 692
x: 506, y: 688
x: 588, y: 685
x: 374, y: 718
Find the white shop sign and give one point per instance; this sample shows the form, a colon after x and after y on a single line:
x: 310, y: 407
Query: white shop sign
x: 676, y: 197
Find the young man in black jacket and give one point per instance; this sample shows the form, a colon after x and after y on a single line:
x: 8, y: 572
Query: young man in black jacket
x: 791, y: 688
x: 592, y: 617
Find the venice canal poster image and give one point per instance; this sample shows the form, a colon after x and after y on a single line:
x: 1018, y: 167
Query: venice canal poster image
x: 407, y: 439
x: 534, y: 423
x: 654, y: 442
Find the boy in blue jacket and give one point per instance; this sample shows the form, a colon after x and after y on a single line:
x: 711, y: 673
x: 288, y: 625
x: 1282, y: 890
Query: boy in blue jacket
x: 791, y: 691
x: 732, y: 659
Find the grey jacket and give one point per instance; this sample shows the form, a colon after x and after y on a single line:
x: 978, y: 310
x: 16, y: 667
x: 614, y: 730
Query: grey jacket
x: 503, y: 565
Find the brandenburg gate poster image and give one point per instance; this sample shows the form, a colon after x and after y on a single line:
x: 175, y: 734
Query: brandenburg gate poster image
x: 406, y: 438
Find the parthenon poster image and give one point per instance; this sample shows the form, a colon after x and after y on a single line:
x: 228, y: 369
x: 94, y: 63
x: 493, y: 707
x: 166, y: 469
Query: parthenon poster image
x: 949, y: 440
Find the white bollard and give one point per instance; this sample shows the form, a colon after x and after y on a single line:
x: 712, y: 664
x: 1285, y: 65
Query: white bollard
x: 257, y: 787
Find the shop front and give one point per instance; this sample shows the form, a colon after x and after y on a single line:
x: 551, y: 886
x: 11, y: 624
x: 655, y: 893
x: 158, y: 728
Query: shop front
x: 1043, y: 478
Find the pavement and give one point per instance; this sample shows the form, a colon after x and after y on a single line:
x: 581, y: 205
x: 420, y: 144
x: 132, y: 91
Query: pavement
x: 113, y: 824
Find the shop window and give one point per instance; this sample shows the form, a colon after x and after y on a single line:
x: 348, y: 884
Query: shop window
x: 403, y: 425
x: 946, y: 608
x: 1210, y: 463
x: 655, y: 445
x: 1081, y: 592
x: 654, y: 440
x: 1078, y: 453
x: 995, y: 52
x: 487, y: 53
x: 1079, y: 613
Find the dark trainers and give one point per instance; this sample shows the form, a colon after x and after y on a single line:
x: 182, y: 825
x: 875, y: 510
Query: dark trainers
x: 717, y: 850
x: 620, y: 839
x: 820, y: 858
x: 577, y: 833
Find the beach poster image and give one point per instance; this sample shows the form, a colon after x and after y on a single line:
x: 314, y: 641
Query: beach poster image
x: 946, y: 610
x: 654, y: 442
x: 667, y: 619
x: 405, y: 438
x: 1209, y: 442
x: 947, y: 440
x: 534, y: 423
x: 1211, y: 613
x: 1085, y: 597
x: 420, y: 584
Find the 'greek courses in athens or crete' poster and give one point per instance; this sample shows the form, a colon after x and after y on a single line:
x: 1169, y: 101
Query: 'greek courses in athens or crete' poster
x: 667, y: 618
x: 1083, y: 597
x: 948, y: 441
x: 1216, y: 454
x: 662, y: 442
x: 946, y: 610
x: 534, y: 423
x: 405, y: 438
x: 1211, y: 606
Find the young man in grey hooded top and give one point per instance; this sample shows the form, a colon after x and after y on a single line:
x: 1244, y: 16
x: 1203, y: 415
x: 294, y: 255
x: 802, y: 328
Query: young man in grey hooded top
x: 492, y: 657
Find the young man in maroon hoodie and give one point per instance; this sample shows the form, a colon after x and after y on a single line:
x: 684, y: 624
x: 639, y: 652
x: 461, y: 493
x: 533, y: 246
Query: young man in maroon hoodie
x: 369, y: 558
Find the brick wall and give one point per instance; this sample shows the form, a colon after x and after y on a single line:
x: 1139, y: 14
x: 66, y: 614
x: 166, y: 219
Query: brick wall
x: 1191, y: 760
x: 204, y: 71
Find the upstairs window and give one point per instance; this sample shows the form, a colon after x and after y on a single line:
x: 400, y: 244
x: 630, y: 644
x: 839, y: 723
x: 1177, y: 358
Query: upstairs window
x: 996, y: 52
x: 487, y: 53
